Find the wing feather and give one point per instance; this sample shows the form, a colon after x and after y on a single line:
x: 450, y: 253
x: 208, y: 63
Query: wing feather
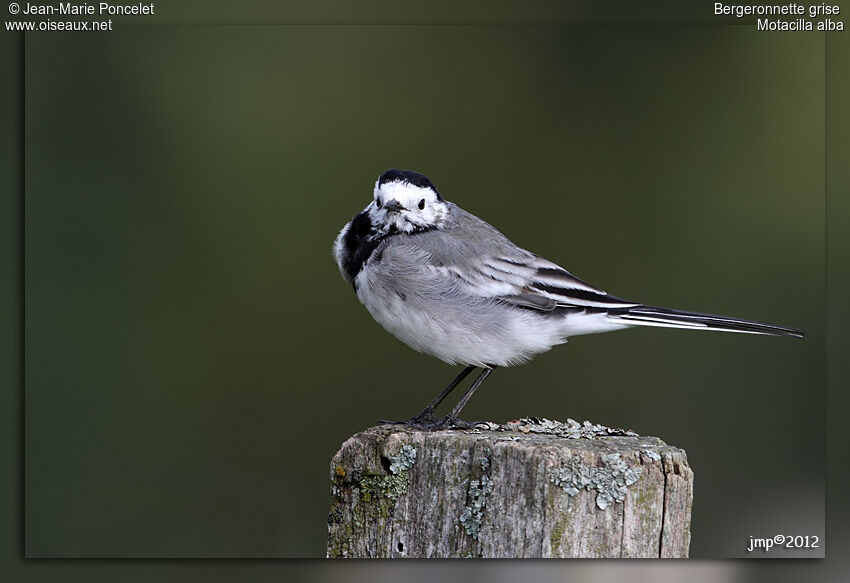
x: 481, y: 261
x: 535, y: 284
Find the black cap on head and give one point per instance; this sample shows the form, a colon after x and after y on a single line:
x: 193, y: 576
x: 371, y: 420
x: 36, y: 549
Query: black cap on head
x: 409, y: 176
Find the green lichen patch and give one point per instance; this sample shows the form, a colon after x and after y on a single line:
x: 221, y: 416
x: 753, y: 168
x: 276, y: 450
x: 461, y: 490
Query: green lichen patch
x: 473, y: 513
x: 572, y: 478
x: 380, y: 486
x: 485, y: 463
x: 557, y: 534
x: 403, y: 460
x: 477, y: 493
x: 392, y: 485
x: 609, y: 481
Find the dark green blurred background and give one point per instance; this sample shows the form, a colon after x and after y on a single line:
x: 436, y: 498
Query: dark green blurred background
x: 194, y: 359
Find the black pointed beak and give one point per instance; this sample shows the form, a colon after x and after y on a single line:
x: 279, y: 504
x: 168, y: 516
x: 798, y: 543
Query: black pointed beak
x: 393, y: 206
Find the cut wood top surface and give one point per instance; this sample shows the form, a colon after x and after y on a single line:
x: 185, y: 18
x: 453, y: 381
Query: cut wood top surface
x: 529, y: 488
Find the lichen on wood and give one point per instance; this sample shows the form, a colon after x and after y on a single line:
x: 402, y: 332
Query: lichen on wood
x: 403, y: 460
x: 610, y: 480
x: 529, y: 488
x: 478, y: 491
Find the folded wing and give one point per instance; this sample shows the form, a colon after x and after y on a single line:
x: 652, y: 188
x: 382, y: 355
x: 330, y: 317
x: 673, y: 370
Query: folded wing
x: 529, y: 281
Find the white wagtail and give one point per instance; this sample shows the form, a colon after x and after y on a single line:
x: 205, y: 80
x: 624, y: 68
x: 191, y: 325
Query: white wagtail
x: 448, y: 284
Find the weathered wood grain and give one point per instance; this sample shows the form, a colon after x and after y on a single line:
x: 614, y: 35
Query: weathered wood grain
x: 400, y: 492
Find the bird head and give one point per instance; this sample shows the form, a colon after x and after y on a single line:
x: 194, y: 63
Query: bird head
x: 406, y: 202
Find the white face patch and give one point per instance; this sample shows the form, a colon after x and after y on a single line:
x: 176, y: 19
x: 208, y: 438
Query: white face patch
x: 420, y: 207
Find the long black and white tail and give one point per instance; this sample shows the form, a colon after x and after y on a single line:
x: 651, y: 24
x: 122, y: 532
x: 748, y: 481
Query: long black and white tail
x: 651, y: 316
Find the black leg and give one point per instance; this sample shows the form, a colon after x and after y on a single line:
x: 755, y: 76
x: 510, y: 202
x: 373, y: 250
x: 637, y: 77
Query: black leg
x: 455, y: 382
x: 452, y: 419
x: 426, y: 416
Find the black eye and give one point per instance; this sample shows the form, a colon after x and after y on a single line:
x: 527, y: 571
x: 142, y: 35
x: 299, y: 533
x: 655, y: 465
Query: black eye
x: 378, y: 202
x: 421, y: 204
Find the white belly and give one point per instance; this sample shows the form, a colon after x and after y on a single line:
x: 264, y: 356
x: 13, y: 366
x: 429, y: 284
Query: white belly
x: 471, y: 330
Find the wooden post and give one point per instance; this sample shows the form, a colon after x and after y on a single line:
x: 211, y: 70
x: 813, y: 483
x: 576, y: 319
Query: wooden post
x: 529, y: 488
